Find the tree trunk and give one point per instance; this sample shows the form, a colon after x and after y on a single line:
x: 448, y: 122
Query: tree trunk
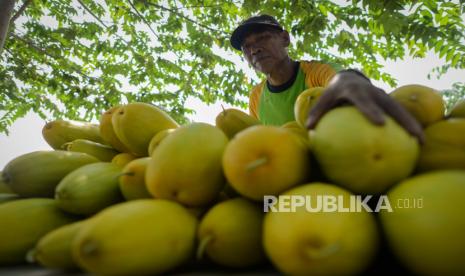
x: 6, y: 8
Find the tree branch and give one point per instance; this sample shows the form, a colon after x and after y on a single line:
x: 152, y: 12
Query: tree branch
x: 20, y: 11
x: 183, y: 16
x: 92, y: 13
x: 5, y: 14
x: 142, y: 18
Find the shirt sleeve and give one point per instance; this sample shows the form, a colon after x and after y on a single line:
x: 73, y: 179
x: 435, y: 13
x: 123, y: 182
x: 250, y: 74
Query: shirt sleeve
x: 317, y: 74
x: 254, y: 99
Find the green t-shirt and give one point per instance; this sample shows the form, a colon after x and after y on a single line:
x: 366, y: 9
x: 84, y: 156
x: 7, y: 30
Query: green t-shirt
x: 280, y: 100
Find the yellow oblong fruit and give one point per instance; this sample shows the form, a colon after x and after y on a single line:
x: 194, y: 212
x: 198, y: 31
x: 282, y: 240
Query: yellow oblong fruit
x: 89, y: 189
x: 24, y: 222
x: 122, y: 159
x: 102, y: 152
x: 458, y: 110
x: 54, y: 249
x: 36, y: 174
x: 140, y: 237
x: 426, y: 227
x: 132, y: 179
x: 59, y: 132
x: 424, y: 103
x: 360, y: 156
x: 136, y: 123
x: 157, y: 138
x: 230, y: 234
x: 265, y: 160
x: 313, y: 240
x: 107, y: 131
x: 186, y: 167
x: 305, y: 102
x: 444, y: 146
x: 233, y: 121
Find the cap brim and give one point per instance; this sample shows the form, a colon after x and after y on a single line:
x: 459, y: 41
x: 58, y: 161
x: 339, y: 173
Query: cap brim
x: 240, y: 32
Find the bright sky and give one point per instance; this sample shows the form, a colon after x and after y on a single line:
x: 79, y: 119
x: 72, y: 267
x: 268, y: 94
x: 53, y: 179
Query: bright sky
x: 26, y: 133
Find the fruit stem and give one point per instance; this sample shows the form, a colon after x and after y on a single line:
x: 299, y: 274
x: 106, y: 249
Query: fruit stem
x: 224, y: 110
x: 31, y: 256
x: 202, y: 246
x: 66, y: 146
x: 320, y: 253
x: 256, y: 163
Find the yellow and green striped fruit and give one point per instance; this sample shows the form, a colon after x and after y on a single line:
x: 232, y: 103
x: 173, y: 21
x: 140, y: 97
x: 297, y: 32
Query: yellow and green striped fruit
x: 230, y: 234
x: 186, y: 167
x: 101, y: 152
x: 24, y: 222
x: 89, y: 189
x: 58, y: 132
x: 444, y: 146
x: 136, y: 123
x: 305, y: 102
x: 132, y: 179
x: 140, y: 237
x: 426, y: 227
x: 108, y: 132
x: 157, y: 138
x: 320, y: 241
x: 232, y: 121
x: 424, y: 103
x: 36, y: 174
x: 54, y: 249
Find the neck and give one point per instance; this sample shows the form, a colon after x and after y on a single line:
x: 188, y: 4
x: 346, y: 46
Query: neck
x: 282, y: 72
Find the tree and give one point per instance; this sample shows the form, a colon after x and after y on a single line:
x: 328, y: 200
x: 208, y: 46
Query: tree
x: 75, y: 58
x: 453, y: 95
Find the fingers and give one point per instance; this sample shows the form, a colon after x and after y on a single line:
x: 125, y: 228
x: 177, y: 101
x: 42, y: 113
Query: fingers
x: 401, y: 115
x: 323, y: 105
x: 370, y: 109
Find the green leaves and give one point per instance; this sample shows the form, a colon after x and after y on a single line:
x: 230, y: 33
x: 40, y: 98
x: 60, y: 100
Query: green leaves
x: 75, y: 59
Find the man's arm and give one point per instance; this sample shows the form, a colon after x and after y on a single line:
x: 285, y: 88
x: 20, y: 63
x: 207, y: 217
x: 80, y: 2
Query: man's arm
x: 352, y: 86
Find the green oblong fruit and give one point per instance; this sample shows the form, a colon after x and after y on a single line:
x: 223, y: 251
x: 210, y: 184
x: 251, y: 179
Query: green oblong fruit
x: 132, y: 179
x: 136, y: 123
x: 233, y: 121
x: 428, y: 235
x: 89, y: 189
x: 58, y: 132
x: 4, y: 189
x: 186, y: 167
x: 360, y: 156
x: 101, y: 152
x: 36, y: 174
x: 305, y: 102
x: 230, y: 233
x: 444, y: 146
x: 24, y: 222
x: 458, y: 110
x: 157, y: 138
x: 140, y: 237
x: 54, y: 249
x: 107, y: 131
x: 312, y: 240
x: 424, y: 103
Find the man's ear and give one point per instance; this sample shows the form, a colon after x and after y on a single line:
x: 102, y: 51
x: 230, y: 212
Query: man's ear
x: 286, y: 38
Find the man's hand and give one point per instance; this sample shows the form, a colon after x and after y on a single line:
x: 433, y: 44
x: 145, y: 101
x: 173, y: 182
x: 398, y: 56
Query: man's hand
x: 373, y: 102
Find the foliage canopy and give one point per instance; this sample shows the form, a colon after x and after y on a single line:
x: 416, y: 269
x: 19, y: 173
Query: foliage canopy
x: 76, y: 58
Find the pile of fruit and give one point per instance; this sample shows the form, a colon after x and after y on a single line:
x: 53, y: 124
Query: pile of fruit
x: 139, y: 194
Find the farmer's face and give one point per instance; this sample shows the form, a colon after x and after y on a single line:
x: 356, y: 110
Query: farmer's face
x: 265, y: 50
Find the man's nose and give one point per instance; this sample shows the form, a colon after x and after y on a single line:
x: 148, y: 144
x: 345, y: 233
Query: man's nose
x: 255, y: 50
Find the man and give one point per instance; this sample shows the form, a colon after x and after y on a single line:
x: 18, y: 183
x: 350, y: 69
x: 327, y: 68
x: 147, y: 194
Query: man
x: 264, y: 43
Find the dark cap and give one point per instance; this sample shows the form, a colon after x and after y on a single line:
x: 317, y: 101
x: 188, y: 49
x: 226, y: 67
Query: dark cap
x: 253, y: 23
